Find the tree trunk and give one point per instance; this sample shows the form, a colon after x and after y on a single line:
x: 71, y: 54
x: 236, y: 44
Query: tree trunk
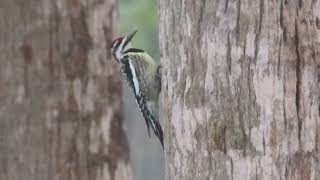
x: 240, y: 88
x: 60, y: 100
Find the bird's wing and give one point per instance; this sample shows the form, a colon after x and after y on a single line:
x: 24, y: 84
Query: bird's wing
x: 133, y: 82
x: 133, y: 70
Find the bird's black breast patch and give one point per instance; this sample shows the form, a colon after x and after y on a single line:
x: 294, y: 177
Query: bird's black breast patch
x: 126, y: 71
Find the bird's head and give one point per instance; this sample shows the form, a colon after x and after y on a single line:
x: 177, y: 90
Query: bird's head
x: 121, y: 44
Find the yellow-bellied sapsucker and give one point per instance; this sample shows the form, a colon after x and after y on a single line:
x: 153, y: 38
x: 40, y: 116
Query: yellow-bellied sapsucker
x: 142, y: 74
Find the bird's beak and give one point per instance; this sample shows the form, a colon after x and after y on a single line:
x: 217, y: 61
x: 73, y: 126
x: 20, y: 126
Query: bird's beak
x: 128, y: 38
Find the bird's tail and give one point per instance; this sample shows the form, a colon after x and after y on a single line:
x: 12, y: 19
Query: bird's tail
x: 158, y: 131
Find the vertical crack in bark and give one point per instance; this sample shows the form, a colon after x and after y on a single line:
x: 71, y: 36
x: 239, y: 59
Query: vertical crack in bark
x: 53, y: 29
x: 200, y: 21
x: 317, y: 123
x: 318, y: 70
x: 224, y: 139
x: 257, y: 38
x: 279, y: 59
x: 300, y: 4
x: 209, y: 142
x: 298, y: 81
x: 281, y: 14
x: 180, y: 18
x: 50, y: 53
x: 53, y: 43
x: 286, y: 172
x: 264, y: 145
x: 316, y: 138
x: 27, y: 52
x: 57, y: 154
x: 319, y: 109
x: 257, y: 177
x: 226, y: 6
x: 230, y: 97
x: 242, y: 107
x: 283, y: 27
x: 238, y: 21
x: 231, y: 162
x: 249, y: 81
x: 194, y: 164
x: 284, y: 103
x: 205, y: 66
x: 209, y: 149
x: 173, y: 25
x: 242, y: 127
x: 229, y: 54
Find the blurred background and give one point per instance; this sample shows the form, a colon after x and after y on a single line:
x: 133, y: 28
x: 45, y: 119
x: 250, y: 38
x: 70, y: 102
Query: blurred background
x: 146, y: 154
x: 142, y: 16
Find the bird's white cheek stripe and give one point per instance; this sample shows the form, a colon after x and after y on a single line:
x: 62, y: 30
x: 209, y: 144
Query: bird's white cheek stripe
x: 135, y: 79
x: 118, y: 54
x: 120, y: 49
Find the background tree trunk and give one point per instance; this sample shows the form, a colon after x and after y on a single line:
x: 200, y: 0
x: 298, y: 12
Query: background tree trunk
x: 240, y: 85
x: 60, y: 98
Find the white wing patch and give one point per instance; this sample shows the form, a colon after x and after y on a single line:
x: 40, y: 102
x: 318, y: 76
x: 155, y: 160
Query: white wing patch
x: 150, y: 107
x: 135, y: 79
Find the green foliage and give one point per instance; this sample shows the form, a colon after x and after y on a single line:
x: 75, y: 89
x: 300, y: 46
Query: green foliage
x: 141, y: 15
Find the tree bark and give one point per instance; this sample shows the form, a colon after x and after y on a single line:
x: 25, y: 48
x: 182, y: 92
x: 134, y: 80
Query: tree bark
x: 240, y: 88
x: 60, y: 95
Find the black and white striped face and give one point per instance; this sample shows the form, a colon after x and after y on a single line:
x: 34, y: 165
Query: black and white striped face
x: 117, y: 47
x: 120, y: 45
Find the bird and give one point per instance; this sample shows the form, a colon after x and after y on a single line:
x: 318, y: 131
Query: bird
x: 143, y: 76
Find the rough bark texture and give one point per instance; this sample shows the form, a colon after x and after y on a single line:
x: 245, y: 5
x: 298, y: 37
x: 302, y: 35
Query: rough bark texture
x: 240, y: 85
x: 60, y: 97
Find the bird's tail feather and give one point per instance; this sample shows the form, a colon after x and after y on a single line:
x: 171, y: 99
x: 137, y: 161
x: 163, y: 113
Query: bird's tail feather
x: 158, y: 131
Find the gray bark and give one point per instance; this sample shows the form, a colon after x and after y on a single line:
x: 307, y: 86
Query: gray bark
x: 240, y: 88
x: 60, y: 94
